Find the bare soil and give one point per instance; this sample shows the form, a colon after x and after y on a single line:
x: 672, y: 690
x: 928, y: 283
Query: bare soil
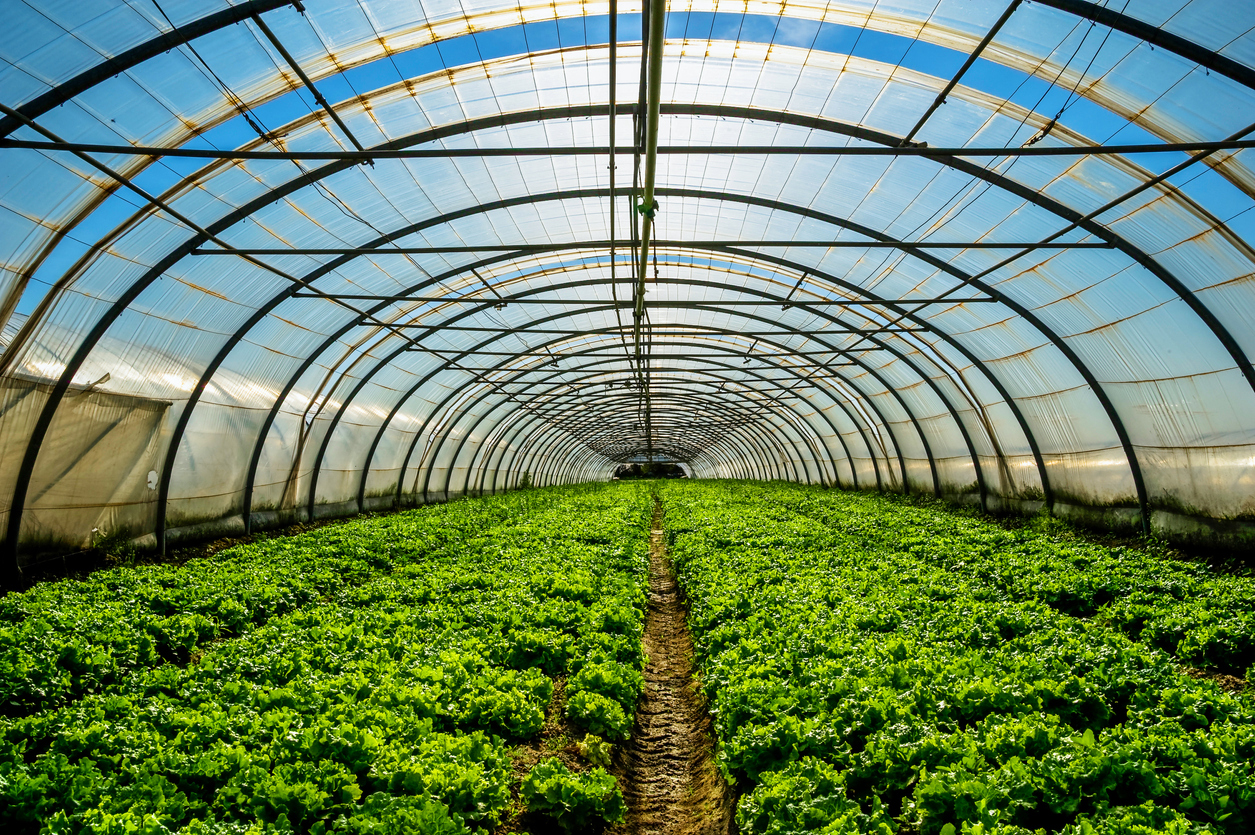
x: 667, y: 770
x: 557, y: 739
x: 1232, y: 684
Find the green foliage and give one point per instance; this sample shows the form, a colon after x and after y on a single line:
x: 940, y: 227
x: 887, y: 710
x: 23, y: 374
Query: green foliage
x: 623, y: 684
x: 926, y: 668
x: 576, y: 801
x: 362, y: 678
x: 599, y: 714
x: 807, y: 796
x: 596, y: 750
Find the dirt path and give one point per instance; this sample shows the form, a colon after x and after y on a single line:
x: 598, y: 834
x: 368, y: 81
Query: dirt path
x: 668, y: 771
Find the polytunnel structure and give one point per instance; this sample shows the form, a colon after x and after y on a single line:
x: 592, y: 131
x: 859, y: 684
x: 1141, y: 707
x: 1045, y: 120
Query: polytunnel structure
x: 270, y: 260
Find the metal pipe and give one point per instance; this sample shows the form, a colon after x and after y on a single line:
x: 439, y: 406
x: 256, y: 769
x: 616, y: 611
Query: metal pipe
x: 649, y: 205
x: 308, y: 82
x: 971, y: 59
x: 657, y: 244
x: 600, y: 150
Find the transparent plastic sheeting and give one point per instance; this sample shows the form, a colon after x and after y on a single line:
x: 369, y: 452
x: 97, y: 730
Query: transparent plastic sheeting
x: 1090, y: 368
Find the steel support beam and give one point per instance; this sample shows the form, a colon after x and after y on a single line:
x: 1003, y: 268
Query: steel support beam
x: 136, y: 55
x: 359, y: 157
x: 608, y: 243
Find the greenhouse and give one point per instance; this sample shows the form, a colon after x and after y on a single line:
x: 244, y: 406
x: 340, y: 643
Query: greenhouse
x: 324, y: 325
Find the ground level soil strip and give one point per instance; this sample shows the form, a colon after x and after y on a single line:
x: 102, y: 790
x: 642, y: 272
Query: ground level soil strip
x: 667, y: 770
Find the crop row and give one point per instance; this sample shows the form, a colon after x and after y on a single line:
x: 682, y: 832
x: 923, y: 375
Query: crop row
x: 390, y: 703
x: 876, y: 665
x: 63, y: 640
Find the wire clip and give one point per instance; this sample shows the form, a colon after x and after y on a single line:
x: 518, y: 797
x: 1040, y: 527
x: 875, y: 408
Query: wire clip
x: 647, y: 211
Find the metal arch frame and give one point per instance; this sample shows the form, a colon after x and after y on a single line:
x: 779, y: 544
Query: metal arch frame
x: 314, y: 355
x: 503, y: 427
x: 747, y: 448
x: 724, y: 456
x: 669, y: 395
x: 785, y: 415
x: 712, y: 361
x: 867, y: 398
x: 245, y: 9
x: 67, y: 90
x: 853, y: 288
x: 697, y: 441
x: 923, y: 256
x: 830, y: 394
x: 514, y: 447
x: 1080, y: 8
x: 550, y: 440
x: 753, y: 465
x: 245, y: 211
x: 262, y: 311
x: 555, y: 449
x: 737, y: 451
x: 932, y: 384
x: 438, y: 408
x: 502, y: 440
x: 93, y: 336
x: 1057, y: 341
x: 577, y: 441
x: 817, y: 457
x: 888, y: 428
x: 499, y: 429
x: 864, y: 396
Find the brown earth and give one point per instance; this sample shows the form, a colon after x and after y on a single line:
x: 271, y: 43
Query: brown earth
x: 667, y: 770
x: 1232, y: 684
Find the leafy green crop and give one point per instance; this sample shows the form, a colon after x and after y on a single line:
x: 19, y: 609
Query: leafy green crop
x: 365, y: 678
x: 576, y: 801
x: 874, y: 664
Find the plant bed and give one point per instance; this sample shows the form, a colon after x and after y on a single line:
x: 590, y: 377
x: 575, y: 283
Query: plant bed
x: 419, y: 657
x: 880, y: 665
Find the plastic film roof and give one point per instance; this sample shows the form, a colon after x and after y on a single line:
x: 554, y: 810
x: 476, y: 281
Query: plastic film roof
x: 264, y: 260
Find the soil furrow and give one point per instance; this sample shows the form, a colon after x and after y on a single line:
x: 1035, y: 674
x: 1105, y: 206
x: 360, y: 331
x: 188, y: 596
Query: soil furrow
x: 667, y: 771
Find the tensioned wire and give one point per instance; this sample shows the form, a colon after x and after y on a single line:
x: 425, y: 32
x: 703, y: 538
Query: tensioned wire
x: 952, y: 210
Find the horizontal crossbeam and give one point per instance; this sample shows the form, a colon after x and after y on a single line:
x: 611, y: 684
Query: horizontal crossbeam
x: 656, y: 303
x: 604, y: 244
x: 669, y: 331
x: 917, y: 150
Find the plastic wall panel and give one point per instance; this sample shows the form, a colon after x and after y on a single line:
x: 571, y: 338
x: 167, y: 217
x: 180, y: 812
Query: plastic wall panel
x: 207, y: 481
x: 93, y: 474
